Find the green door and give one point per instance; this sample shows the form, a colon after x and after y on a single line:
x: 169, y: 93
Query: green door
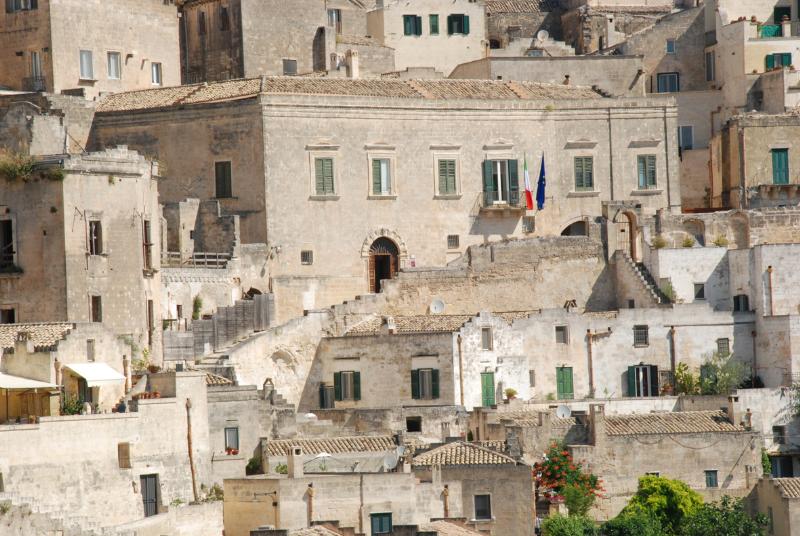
x: 780, y: 166
x: 487, y: 389
x: 564, y: 383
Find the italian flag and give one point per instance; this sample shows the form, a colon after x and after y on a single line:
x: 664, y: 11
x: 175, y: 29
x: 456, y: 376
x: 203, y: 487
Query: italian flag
x: 528, y: 191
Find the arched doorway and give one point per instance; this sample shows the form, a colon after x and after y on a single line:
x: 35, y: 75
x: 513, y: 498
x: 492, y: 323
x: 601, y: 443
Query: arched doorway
x: 579, y: 228
x: 383, y: 262
x: 627, y: 234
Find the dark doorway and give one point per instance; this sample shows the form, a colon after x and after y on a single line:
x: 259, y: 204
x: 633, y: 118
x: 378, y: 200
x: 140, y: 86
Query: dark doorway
x: 150, y: 494
x: 383, y: 262
x: 318, y: 50
x: 576, y: 229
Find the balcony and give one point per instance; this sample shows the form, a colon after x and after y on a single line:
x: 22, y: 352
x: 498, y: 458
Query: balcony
x: 34, y: 83
x: 502, y: 202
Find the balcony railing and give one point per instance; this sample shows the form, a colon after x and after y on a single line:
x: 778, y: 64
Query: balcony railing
x: 771, y: 30
x: 502, y: 201
x: 34, y: 83
x: 195, y: 260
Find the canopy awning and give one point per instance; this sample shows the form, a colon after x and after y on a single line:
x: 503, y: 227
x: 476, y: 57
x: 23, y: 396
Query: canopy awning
x: 96, y: 374
x: 7, y: 381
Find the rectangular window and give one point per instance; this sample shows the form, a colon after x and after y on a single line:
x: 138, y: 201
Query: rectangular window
x: 114, y: 65
x: 780, y: 166
x: 699, y: 291
x: 686, y: 137
x: 87, y: 66
x: 433, y: 21
x: 412, y: 25
x: 564, y: 384
x: 643, y: 380
x: 413, y: 424
x: 201, y: 23
x: 89, y: 349
x: 641, y: 336
x: 96, y: 308
x: 741, y: 303
x: 779, y: 435
x: 151, y: 323
x: 425, y: 384
x: 486, y: 339
x: 711, y: 67
x: 147, y: 245
x: 223, y: 180
x: 447, y: 177
x: 124, y: 455
x: 36, y: 65
x: 711, y: 479
x: 289, y: 67
x: 323, y: 173
x: 532, y: 378
x: 483, y: 507
x: 224, y: 19
x: 500, y: 182
x: 179, y: 311
x: 381, y: 176
x: 778, y: 60
x: 457, y: 24
x: 8, y: 315
x: 13, y: 6
x: 381, y: 523
x: 232, y: 438
x: 668, y: 82
x: 155, y: 73
x: 671, y: 46
x: 7, y: 253
x: 646, y: 167
x: 562, y: 335
x: 326, y: 396
x: 347, y: 385
x: 306, y: 257
x: 335, y: 19
x: 584, y: 173
x: 724, y: 347
x: 453, y: 241
x: 95, y: 238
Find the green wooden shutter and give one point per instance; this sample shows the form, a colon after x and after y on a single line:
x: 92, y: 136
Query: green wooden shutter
x: 327, y: 168
x: 451, y: 177
x: 337, y: 386
x: 588, y: 172
x: 631, y: 381
x: 466, y: 25
x: 770, y: 62
x: 418, y: 25
x: 579, y: 173
x: 653, y: 380
x: 322, y: 396
x: 642, y: 172
x: 449, y: 25
x: 487, y: 389
x: 435, y: 383
x: 415, y: 384
x: 786, y: 59
x: 319, y: 176
x: 569, y: 391
x: 513, y: 175
x: 434, y: 24
x: 443, y: 177
x: 780, y: 166
x: 651, y: 171
x: 376, y: 176
x: 488, y: 183
x: 357, y: 386
x: 408, y: 24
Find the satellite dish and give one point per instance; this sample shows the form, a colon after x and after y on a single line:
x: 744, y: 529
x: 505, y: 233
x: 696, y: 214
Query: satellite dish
x: 390, y: 461
x: 436, y: 307
x: 563, y: 412
x: 542, y: 35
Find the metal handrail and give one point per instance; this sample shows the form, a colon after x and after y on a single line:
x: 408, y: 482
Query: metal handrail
x: 196, y: 260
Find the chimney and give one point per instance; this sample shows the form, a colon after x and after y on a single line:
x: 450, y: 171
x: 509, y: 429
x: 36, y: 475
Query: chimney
x: 786, y: 26
x: 352, y: 63
x: 597, y: 423
x: 391, y: 326
x: 294, y: 462
x: 733, y: 415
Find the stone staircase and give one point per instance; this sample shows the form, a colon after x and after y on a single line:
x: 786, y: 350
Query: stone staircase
x: 26, y: 516
x: 642, y: 277
x: 651, y: 283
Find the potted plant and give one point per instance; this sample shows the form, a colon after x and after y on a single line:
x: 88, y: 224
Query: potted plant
x: 511, y: 394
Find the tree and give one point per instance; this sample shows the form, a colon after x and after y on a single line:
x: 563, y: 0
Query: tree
x: 568, y: 526
x: 578, y: 499
x: 720, y: 374
x: 561, y: 475
x: 633, y: 524
x: 668, y: 501
x: 724, y: 518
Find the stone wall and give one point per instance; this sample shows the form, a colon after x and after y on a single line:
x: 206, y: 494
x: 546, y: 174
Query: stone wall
x: 216, y: 54
x: 505, y: 27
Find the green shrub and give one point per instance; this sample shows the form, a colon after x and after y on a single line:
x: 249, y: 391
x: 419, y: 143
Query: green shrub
x: 71, y: 406
x: 688, y: 242
x: 766, y: 463
x: 633, y: 524
x: 15, y: 166
x: 727, y: 517
x: 578, y: 500
x: 668, y: 501
x: 253, y: 466
x: 282, y: 469
x: 721, y: 241
x: 197, y: 307
x: 659, y: 242
x: 568, y: 526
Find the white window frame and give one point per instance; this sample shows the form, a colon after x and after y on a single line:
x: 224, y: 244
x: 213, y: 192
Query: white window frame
x: 83, y: 74
x: 156, y: 68
x: 118, y: 55
x: 487, y: 347
x: 323, y: 151
x: 384, y: 154
x: 36, y: 64
x: 446, y: 155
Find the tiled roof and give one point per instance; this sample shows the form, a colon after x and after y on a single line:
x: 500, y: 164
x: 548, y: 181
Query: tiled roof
x: 789, y: 487
x: 44, y: 336
x: 520, y: 6
x: 333, y: 445
x: 301, y: 85
x: 314, y: 531
x: 426, y: 323
x: 216, y: 379
x: 677, y: 422
x: 446, y: 528
x: 461, y: 453
x: 498, y: 445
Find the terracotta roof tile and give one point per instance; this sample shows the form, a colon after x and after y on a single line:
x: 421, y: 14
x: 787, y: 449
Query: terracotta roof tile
x: 44, y: 335
x: 520, y: 6
x: 447, y: 528
x: 789, y: 487
x: 333, y: 445
x: 302, y: 85
x: 462, y: 453
x: 314, y: 531
x: 216, y: 379
x: 677, y: 422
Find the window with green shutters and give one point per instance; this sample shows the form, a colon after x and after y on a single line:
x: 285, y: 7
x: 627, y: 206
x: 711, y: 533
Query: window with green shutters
x: 433, y: 20
x: 642, y: 380
x: 646, y: 165
x: 222, y: 176
x: 412, y: 25
x: 780, y: 166
x: 347, y: 385
x: 457, y: 24
x: 425, y: 384
x: 323, y: 175
x: 447, y: 177
x: 564, y: 388
x: 381, y: 176
x: 488, y: 397
x: 381, y: 523
x: 783, y: 59
x: 584, y: 173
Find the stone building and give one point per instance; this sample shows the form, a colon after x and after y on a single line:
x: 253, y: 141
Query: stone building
x: 777, y: 499
x: 511, y: 25
x: 80, y: 243
x: 40, y: 49
x: 434, y: 33
x: 466, y: 190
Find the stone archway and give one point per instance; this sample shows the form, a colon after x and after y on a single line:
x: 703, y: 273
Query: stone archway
x: 384, y: 262
x: 627, y: 233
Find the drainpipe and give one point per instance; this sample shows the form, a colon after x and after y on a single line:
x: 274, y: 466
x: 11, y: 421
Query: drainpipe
x: 769, y: 283
x: 57, y: 366
x: 666, y: 160
x: 742, y: 171
x: 460, y: 369
x: 589, y: 338
x: 126, y: 370
x: 310, y: 493
x: 446, y: 495
x: 610, y: 157
x: 361, y: 504
x: 755, y: 361
x: 672, y: 360
x: 189, y: 446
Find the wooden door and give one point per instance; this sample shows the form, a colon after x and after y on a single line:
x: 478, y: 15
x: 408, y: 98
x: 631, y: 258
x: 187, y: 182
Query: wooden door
x: 487, y: 389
